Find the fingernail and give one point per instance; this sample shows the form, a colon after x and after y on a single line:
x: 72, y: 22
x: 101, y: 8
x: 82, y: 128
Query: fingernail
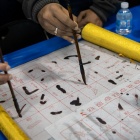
x: 10, y: 77
x: 72, y: 41
x: 8, y: 67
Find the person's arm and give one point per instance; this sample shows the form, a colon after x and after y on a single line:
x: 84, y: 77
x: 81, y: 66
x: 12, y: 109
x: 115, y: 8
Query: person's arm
x: 105, y: 8
x: 32, y: 7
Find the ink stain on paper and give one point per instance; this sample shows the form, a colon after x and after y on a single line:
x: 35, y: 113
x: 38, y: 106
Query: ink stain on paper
x: 76, y: 102
x: 56, y: 113
x: 101, y: 120
x: 61, y: 89
x: 67, y: 57
x: 27, y: 92
x: 97, y: 58
x: 112, y: 82
x: 120, y: 106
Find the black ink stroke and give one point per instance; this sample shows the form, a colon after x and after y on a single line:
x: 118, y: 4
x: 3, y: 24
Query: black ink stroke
x: 27, y: 92
x: 2, y: 101
x: 43, y: 70
x: 42, y: 96
x: 67, y: 57
x: 56, y: 113
x: 119, y: 76
x: 97, y: 58
x: 76, y: 102
x: 42, y: 79
x: 43, y: 102
x: 112, y: 82
x: 30, y: 71
x: 120, y: 106
x: 87, y: 63
x: 54, y: 62
x: 101, y: 120
x: 61, y: 89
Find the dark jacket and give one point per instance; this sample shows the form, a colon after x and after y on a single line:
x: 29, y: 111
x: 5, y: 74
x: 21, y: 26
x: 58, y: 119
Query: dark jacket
x: 103, y: 8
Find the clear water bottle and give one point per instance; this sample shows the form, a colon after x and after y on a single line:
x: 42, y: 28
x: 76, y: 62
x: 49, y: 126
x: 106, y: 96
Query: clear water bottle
x: 124, y: 20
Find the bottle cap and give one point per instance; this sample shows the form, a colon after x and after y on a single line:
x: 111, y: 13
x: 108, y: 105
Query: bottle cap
x: 124, y: 5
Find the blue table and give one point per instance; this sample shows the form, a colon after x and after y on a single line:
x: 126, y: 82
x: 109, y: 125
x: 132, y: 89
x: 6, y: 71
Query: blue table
x: 37, y: 50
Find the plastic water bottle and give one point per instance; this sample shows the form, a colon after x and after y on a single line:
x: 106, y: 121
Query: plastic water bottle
x: 124, y: 20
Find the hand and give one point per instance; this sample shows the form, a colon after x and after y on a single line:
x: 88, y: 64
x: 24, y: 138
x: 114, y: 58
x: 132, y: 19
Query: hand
x: 54, y: 16
x: 88, y: 16
x: 4, y: 77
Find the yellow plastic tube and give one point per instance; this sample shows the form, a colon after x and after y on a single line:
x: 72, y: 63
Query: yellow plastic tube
x: 111, y: 41
x: 9, y: 128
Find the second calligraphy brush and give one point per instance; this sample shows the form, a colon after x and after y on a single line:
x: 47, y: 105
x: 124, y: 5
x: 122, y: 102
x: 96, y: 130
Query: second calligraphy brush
x: 76, y: 44
x: 11, y: 89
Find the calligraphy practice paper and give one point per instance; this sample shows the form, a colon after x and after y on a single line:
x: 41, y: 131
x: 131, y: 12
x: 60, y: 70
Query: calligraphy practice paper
x: 52, y: 88
x: 112, y: 116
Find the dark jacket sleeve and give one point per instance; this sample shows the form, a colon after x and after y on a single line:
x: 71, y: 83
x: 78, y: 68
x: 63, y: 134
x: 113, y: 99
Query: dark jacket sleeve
x: 105, y: 8
x: 32, y: 7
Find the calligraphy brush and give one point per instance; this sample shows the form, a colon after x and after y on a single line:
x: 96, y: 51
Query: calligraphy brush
x: 76, y: 44
x: 11, y: 89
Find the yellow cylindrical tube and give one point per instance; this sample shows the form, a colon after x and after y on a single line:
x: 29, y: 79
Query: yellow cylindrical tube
x: 112, y: 41
x: 9, y: 128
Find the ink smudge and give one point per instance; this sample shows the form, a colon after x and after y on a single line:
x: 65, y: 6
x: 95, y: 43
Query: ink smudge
x: 127, y: 94
x: 120, y: 106
x: 87, y: 63
x: 79, y: 80
x: 117, y: 71
x: 61, y: 89
x: 100, y: 120
x: 119, y: 76
x: 121, y: 93
x: 76, y: 102
x: 97, y: 58
x: 54, y: 62
x: 43, y: 102
x: 27, y: 92
x: 30, y: 71
x: 67, y: 57
x: 112, y: 82
x: 56, y: 113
